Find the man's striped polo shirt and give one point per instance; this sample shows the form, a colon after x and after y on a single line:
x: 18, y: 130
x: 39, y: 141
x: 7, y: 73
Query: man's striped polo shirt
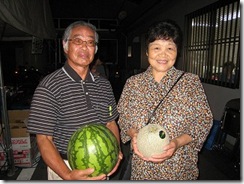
x: 63, y: 102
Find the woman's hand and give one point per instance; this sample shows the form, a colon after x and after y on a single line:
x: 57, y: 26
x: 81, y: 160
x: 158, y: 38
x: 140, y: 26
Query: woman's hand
x: 169, y: 151
x: 171, y: 148
x: 135, y: 149
x: 133, y: 134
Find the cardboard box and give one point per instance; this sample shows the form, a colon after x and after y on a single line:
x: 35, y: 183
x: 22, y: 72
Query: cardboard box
x: 24, y: 145
x: 18, y: 121
x: 3, y: 162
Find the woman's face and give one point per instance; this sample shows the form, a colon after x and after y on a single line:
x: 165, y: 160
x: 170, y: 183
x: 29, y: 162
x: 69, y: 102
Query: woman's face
x: 162, y: 56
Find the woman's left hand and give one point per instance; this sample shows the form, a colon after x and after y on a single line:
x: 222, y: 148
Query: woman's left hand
x: 169, y: 150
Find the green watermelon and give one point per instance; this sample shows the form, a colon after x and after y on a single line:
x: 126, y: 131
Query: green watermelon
x: 93, y: 146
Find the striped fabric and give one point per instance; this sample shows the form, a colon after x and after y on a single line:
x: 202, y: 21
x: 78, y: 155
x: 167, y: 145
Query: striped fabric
x: 63, y: 102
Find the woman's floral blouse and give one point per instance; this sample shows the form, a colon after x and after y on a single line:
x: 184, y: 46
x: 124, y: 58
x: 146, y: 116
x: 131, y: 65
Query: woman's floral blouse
x: 184, y: 111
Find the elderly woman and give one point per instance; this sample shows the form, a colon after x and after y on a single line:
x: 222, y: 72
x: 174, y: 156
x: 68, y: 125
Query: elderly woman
x: 184, y: 111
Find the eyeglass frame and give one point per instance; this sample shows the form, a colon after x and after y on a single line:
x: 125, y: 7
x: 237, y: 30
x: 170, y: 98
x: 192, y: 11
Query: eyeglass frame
x: 82, y: 41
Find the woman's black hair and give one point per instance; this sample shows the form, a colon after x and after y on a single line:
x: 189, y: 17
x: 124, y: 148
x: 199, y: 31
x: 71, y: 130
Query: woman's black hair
x: 165, y: 30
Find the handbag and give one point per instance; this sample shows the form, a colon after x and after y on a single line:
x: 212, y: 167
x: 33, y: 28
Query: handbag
x: 127, y: 173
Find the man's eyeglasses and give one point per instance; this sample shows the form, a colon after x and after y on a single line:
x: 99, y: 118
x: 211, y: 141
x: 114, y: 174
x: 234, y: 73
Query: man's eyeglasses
x: 78, y: 41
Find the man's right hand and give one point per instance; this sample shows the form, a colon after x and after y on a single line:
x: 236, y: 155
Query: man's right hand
x: 84, y: 175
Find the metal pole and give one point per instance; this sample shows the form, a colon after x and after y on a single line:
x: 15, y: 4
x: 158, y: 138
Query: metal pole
x: 5, y: 120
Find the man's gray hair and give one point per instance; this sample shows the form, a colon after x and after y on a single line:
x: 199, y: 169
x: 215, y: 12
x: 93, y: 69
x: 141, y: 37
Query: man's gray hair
x: 68, y: 30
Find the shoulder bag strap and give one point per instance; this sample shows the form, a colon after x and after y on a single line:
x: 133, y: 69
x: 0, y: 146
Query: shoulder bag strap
x: 153, y: 113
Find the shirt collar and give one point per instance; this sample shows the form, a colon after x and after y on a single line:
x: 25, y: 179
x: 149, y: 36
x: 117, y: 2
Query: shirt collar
x: 74, y: 76
x: 168, y: 78
x: 170, y: 72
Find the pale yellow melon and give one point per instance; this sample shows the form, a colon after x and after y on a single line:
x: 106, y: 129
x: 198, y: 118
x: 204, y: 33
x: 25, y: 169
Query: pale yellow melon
x: 151, y: 139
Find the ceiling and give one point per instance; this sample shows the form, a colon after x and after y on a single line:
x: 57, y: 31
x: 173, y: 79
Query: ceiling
x: 125, y: 12
x: 22, y: 19
x: 123, y: 15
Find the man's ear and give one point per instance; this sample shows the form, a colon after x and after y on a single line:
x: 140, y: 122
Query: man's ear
x: 65, y: 46
x: 96, y: 49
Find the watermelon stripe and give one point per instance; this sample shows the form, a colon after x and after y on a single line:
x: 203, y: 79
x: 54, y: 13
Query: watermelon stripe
x: 102, y: 154
x: 94, y: 146
x: 86, y: 152
x: 98, y: 151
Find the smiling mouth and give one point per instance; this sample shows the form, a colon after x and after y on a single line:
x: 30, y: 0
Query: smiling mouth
x: 162, y: 61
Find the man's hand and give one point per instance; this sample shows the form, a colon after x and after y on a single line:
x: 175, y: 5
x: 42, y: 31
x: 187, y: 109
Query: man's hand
x: 120, y: 157
x: 84, y: 175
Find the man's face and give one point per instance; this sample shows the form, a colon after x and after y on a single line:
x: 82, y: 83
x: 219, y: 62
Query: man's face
x: 81, y: 46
